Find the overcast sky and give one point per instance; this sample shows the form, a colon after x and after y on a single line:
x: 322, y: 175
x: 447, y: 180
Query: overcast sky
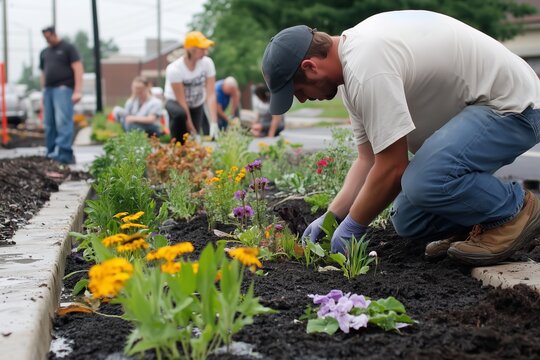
x: 127, y: 22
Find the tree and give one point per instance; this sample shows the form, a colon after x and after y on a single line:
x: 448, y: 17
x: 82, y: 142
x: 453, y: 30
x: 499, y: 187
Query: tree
x: 242, y: 28
x: 87, y: 53
x: 28, y: 78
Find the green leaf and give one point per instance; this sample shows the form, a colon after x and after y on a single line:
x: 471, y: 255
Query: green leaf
x: 339, y: 258
x: 80, y: 286
x: 329, y: 225
x: 327, y: 325
x: 391, y: 304
x: 316, y: 249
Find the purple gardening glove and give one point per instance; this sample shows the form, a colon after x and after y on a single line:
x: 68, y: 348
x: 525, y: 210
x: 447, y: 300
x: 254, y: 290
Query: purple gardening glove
x: 314, y: 231
x: 344, y: 232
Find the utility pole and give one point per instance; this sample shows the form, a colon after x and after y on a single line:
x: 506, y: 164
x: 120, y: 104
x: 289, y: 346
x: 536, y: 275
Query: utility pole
x: 158, y: 43
x: 6, y: 78
x: 54, y: 13
x: 97, y: 58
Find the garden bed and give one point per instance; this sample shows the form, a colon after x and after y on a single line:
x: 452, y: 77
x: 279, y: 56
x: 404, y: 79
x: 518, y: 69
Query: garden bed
x: 457, y: 317
x: 26, y: 184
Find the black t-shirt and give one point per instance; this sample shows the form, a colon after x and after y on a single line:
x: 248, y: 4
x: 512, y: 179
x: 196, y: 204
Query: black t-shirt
x: 55, y: 62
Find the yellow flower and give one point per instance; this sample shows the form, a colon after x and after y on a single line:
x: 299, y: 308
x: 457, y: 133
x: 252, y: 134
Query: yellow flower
x: 133, y: 217
x: 169, y: 253
x: 234, y: 169
x: 132, y: 246
x: 108, y: 278
x: 120, y: 214
x: 212, y: 180
x: 209, y: 150
x: 171, y: 267
x: 219, y: 172
x: 195, y: 267
x: 115, y: 239
x: 133, y: 225
x: 247, y: 256
x: 263, y: 145
x: 185, y: 136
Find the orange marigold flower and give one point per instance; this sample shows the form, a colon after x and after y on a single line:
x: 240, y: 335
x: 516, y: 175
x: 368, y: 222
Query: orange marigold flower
x: 171, y: 267
x: 169, y: 253
x: 133, y: 217
x: 114, y: 239
x: 120, y: 214
x: 108, y: 278
x: 133, y: 225
x: 247, y: 256
x: 132, y: 246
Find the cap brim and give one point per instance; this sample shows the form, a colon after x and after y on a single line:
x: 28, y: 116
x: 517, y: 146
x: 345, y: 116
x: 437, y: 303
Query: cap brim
x: 206, y: 44
x: 281, y: 101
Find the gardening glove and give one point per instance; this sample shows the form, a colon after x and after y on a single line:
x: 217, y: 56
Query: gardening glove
x: 314, y: 231
x: 214, y: 131
x: 344, y: 232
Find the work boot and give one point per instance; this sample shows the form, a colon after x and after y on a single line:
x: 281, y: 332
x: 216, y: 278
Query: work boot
x: 487, y: 247
x: 436, y: 250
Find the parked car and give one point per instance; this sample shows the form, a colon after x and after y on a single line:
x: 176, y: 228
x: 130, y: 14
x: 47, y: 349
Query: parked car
x: 16, y: 106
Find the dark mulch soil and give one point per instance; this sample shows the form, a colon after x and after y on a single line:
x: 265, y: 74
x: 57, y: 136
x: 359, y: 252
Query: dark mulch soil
x: 26, y: 184
x: 458, y: 318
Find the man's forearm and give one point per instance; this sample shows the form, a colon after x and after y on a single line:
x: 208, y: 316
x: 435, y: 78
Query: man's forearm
x: 380, y: 188
x: 352, y: 185
x: 78, y: 76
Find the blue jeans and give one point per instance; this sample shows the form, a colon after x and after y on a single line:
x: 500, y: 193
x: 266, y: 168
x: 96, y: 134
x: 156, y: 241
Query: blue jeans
x: 58, y: 121
x: 449, y: 184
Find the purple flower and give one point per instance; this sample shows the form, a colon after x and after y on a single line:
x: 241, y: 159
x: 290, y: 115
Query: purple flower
x: 334, y: 295
x: 338, y: 305
x: 259, y: 184
x: 256, y: 165
x: 240, y: 195
x: 356, y: 322
x: 243, y: 212
x: 359, y: 301
x: 278, y: 227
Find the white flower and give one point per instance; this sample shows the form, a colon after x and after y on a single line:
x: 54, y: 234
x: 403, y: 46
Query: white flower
x: 373, y: 253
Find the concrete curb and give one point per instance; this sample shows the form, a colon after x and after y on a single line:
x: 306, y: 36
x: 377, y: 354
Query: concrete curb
x: 31, y: 273
x: 510, y: 274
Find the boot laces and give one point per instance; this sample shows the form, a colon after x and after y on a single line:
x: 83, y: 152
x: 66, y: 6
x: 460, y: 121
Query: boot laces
x: 475, y: 233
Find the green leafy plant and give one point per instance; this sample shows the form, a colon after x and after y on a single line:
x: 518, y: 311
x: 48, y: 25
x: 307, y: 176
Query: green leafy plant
x: 218, y: 196
x: 182, y: 305
x: 232, y: 148
x: 355, y: 312
x: 179, y: 191
x: 357, y: 260
x: 318, y: 201
x: 103, y: 130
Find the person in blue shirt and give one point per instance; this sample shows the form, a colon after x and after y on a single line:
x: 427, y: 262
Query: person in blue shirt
x: 227, y: 91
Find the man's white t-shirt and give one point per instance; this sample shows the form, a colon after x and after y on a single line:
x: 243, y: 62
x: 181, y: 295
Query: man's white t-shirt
x: 409, y: 72
x: 194, y: 81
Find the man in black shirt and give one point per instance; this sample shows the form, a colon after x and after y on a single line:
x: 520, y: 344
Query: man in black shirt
x: 61, y: 80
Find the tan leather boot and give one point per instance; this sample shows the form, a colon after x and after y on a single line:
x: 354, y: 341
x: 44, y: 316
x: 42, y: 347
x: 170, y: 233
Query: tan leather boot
x: 436, y: 250
x: 487, y: 247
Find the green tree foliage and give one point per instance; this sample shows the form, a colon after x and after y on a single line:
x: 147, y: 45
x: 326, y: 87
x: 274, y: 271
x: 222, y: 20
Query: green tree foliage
x: 29, y: 78
x: 81, y: 42
x: 242, y: 28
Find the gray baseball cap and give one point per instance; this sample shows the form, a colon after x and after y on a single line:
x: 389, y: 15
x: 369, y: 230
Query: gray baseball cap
x: 281, y: 60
